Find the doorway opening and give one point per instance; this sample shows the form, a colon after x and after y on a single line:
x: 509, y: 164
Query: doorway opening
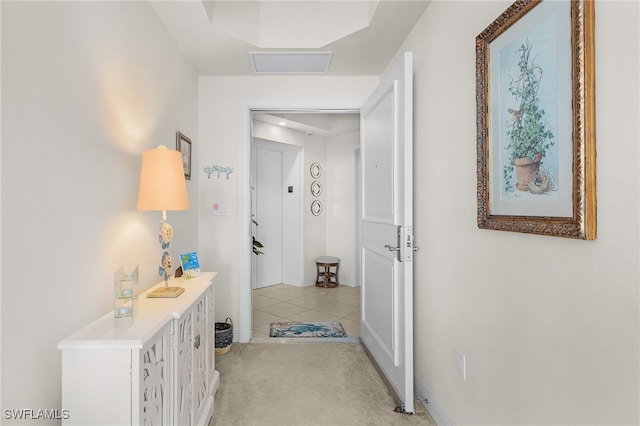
x: 299, y: 214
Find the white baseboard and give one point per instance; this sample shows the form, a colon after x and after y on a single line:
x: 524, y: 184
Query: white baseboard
x: 433, y: 406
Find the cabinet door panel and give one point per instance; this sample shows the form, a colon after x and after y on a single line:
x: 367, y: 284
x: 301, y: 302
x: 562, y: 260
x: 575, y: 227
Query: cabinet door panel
x: 91, y: 377
x: 155, y: 372
x: 211, y: 338
x: 184, y: 388
x: 200, y: 382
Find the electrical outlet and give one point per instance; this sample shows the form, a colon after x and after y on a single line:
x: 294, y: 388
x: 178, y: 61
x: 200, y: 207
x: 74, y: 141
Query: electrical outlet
x: 461, y: 362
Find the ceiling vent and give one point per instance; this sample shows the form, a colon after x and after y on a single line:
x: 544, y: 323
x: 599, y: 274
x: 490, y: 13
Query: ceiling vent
x: 290, y: 62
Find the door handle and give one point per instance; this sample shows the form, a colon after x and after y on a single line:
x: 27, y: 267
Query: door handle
x: 392, y: 248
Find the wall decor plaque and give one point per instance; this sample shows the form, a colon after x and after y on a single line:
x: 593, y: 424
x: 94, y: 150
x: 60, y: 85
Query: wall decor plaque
x: 315, y: 170
x: 316, y: 188
x: 316, y: 208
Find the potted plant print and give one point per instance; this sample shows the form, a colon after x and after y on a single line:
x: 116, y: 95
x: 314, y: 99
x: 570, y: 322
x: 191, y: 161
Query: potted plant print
x: 529, y: 138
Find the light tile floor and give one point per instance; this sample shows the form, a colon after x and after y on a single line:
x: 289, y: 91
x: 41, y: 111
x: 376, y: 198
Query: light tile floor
x: 282, y: 303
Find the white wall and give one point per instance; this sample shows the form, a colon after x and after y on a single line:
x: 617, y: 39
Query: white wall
x: 292, y: 218
x: 551, y: 344
x: 87, y: 86
x: 340, y: 202
x: 315, y: 227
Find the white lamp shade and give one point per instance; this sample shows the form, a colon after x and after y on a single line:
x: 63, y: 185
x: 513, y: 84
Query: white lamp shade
x: 162, y: 183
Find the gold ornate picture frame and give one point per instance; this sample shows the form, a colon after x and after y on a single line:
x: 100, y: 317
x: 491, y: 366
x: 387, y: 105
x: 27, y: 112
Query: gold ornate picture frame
x: 183, y: 144
x: 535, y: 96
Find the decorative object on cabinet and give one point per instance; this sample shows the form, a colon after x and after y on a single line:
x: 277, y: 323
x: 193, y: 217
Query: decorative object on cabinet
x: 125, y: 286
x: 535, y: 95
x: 158, y: 370
x: 316, y: 208
x: 183, y: 144
x: 190, y: 264
x: 163, y: 187
x: 315, y: 170
x: 316, y: 188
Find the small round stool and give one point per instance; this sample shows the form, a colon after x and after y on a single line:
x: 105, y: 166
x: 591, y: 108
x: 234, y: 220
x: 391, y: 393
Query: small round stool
x: 325, y: 276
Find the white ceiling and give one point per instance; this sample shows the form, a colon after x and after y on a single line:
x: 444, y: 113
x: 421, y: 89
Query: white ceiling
x: 217, y: 36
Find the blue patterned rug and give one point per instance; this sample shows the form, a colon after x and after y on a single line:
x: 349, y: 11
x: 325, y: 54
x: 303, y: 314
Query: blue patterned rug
x: 307, y: 329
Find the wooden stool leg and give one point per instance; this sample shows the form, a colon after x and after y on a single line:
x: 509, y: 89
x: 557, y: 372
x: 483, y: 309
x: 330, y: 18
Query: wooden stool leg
x: 317, y: 274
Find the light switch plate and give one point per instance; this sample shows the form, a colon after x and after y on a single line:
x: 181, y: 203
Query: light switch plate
x: 221, y: 209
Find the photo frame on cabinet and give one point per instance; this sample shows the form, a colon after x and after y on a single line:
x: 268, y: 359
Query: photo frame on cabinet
x: 190, y: 264
x: 535, y: 100
x: 183, y: 144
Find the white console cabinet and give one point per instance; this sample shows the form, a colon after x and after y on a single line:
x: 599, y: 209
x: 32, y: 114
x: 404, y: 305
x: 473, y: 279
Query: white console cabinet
x: 158, y: 369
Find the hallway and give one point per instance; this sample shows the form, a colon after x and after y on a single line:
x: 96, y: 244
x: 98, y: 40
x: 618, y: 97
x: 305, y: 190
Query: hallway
x: 312, y: 384
x: 282, y: 302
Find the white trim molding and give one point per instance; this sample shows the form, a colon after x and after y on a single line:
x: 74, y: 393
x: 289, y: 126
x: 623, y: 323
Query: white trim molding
x: 248, y: 105
x: 434, y: 407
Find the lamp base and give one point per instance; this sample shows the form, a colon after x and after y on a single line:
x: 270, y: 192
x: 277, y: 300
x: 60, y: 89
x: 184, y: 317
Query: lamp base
x: 166, y: 292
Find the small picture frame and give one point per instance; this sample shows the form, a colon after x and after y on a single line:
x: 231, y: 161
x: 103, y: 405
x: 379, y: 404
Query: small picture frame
x: 190, y: 264
x: 183, y: 144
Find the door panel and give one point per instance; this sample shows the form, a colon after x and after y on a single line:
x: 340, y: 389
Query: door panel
x: 377, y: 314
x: 269, y: 217
x: 387, y: 223
x: 378, y: 162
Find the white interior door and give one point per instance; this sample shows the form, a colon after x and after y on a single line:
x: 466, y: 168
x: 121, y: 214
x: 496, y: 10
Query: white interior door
x: 387, y: 239
x: 269, y: 216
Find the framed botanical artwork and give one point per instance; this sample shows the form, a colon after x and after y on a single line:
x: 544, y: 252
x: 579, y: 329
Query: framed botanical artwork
x: 535, y: 96
x: 183, y: 144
